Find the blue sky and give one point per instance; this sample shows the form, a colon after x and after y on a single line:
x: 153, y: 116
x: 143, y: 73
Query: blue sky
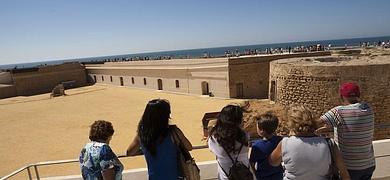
x: 38, y: 30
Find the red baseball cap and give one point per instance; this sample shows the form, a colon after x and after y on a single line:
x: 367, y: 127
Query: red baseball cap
x: 349, y: 89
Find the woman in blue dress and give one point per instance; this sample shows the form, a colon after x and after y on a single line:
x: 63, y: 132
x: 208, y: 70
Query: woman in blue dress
x: 156, y: 142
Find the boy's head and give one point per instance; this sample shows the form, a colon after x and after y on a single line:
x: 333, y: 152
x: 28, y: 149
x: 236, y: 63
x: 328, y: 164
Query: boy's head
x: 101, y: 131
x: 266, y: 124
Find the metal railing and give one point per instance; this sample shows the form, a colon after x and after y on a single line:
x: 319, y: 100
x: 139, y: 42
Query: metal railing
x: 35, y: 166
x: 46, y: 163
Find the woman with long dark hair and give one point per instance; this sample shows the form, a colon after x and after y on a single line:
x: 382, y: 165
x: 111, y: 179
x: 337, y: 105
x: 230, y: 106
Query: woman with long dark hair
x: 155, y: 139
x: 228, y: 138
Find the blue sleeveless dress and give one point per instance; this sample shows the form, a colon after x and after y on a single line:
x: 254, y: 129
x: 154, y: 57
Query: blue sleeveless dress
x: 164, y: 164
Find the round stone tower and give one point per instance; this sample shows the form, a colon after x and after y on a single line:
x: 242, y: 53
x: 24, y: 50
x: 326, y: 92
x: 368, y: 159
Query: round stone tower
x: 314, y: 82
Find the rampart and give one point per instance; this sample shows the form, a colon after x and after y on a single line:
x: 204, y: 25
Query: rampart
x: 6, y: 87
x: 43, y: 79
x: 242, y: 77
x: 249, y: 76
x: 314, y: 82
x: 191, y: 76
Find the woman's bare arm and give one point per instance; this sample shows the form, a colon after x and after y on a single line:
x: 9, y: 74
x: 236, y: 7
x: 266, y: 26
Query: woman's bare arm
x: 340, y: 164
x: 134, y: 147
x: 275, y: 159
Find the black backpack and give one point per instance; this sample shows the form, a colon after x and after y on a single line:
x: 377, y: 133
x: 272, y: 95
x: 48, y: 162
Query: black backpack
x: 238, y: 171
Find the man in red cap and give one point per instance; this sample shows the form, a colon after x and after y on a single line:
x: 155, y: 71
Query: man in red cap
x: 353, y: 125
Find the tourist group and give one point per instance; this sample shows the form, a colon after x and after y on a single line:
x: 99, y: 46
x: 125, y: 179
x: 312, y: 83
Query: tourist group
x: 308, y: 153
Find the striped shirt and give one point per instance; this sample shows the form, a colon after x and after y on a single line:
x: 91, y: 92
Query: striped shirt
x: 353, y: 131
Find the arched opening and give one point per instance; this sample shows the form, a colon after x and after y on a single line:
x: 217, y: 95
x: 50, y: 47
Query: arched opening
x: 205, y: 88
x: 145, y: 81
x: 159, y: 84
x: 132, y: 80
x: 111, y: 78
x: 102, y: 78
x: 94, y: 78
x: 121, y: 80
x: 177, y: 84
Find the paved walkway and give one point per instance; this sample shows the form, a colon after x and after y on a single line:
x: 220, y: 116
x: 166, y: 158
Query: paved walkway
x: 382, y: 152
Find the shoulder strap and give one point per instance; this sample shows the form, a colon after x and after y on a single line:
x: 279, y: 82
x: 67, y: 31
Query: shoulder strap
x: 331, y: 150
x: 239, y: 151
x: 223, y: 170
x: 233, y: 161
x: 230, y: 157
x: 174, y: 135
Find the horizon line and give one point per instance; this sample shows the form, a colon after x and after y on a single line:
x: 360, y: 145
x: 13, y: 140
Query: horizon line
x: 163, y: 51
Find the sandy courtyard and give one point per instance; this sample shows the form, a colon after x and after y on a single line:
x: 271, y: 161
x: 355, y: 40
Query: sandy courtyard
x: 36, y: 128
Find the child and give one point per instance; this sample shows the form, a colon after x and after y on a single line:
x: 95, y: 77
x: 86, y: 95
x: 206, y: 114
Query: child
x: 261, y: 149
x: 97, y: 160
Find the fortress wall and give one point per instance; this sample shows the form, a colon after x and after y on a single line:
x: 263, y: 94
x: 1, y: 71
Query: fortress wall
x: 253, y: 73
x: 317, y: 87
x: 46, y: 78
x: 190, y: 79
x: 5, y: 78
x: 249, y: 80
x: 7, y: 91
x: 151, y: 76
x: 218, y: 87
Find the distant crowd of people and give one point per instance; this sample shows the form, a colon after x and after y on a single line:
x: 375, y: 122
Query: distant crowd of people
x: 279, y: 50
x: 384, y: 44
x: 305, y: 154
x: 237, y: 53
x: 248, y: 52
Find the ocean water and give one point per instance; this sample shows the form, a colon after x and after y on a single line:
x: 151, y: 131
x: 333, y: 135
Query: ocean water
x: 217, y: 51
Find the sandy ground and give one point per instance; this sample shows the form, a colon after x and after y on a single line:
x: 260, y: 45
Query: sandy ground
x: 37, y: 128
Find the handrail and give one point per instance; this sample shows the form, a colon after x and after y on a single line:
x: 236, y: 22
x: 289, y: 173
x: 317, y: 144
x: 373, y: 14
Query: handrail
x: 45, y: 163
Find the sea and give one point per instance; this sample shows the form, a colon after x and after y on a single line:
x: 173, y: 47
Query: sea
x: 213, y: 52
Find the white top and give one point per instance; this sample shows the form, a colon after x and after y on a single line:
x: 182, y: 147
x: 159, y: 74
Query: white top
x: 305, y: 158
x: 224, y: 160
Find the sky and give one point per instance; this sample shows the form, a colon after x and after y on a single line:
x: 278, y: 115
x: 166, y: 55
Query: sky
x: 40, y: 30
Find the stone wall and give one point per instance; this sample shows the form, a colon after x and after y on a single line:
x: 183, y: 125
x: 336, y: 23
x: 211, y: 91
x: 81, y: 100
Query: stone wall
x: 6, y: 87
x: 224, y: 77
x: 44, y: 79
x: 249, y: 76
x: 7, y: 91
x: 249, y: 80
x: 5, y: 78
x: 316, y: 86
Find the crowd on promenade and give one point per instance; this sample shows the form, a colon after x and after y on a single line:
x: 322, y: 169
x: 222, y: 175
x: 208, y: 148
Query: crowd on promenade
x: 244, y: 52
x: 307, y: 153
x: 383, y: 44
x: 277, y: 50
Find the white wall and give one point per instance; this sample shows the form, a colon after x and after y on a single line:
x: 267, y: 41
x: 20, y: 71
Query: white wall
x: 208, y: 169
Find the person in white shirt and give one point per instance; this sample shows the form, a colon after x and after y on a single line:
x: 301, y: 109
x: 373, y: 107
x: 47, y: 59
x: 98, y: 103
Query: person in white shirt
x: 227, y: 136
